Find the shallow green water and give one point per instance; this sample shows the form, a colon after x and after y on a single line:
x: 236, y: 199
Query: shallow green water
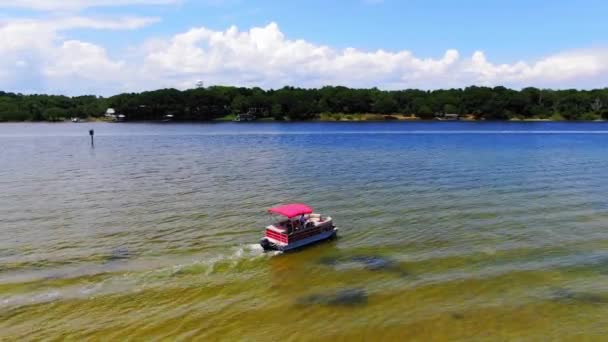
x: 447, y: 231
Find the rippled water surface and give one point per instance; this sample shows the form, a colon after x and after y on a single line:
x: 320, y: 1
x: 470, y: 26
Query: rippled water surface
x: 447, y: 231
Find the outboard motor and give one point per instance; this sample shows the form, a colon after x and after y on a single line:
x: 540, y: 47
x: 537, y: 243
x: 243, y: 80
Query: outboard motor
x: 265, y: 244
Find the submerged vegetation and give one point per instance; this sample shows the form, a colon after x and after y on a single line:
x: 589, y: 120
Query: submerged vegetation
x: 327, y: 103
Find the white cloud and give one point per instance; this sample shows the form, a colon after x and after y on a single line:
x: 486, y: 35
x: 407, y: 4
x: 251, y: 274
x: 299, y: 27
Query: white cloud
x: 264, y: 56
x: 67, y: 5
x: 260, y: 56
x: 35, y: 56
x: 85, y: 65
x: 12, y: 29
x: 91, y: 59
x: 31, y: 35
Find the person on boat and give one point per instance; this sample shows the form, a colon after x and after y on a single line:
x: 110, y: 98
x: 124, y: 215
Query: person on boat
x: 296, y: 225
x: 302, y: 221
x: 289, y: 227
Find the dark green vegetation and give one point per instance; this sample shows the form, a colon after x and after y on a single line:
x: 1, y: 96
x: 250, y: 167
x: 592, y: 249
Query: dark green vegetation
x: 290, y: 103
x: 17, y: 107
x: 368, y: 262
x: 343, y: 297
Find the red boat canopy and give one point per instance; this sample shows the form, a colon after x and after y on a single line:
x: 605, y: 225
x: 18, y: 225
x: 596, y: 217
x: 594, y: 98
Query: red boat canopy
x: 291, y: 210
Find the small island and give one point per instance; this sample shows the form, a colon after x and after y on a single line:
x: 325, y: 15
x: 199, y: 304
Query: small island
x: 330, y: 103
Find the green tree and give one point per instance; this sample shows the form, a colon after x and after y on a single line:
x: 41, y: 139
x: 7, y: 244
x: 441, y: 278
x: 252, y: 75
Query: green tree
x: 384, y: 103
x: 425, y: 112
x: 54, y: 114
x: 496, y: 103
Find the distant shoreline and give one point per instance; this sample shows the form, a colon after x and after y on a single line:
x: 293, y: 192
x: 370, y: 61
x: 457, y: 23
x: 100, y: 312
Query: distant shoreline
x: 336, y: 118
x: 329, y: 103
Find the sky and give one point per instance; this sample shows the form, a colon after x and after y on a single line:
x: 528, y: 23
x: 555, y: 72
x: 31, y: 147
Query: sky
x: 105, y: 47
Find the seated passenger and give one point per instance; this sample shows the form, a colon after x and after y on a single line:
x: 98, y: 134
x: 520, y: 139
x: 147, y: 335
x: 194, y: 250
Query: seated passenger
x: 289, y: 227
x: 296, y: 225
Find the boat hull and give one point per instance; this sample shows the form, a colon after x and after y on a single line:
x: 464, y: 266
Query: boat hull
x: 269, y: 245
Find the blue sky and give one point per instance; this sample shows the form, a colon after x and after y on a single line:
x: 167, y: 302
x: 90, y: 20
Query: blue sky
x: 492, y: 39
x: 506, y: 29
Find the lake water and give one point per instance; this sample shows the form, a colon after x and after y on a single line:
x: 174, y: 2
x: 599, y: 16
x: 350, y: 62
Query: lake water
x: 447, y: 231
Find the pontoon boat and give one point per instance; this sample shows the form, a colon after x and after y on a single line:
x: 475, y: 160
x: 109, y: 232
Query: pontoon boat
x: 296, y: 226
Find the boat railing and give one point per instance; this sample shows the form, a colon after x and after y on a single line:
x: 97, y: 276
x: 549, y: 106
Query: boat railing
x: 289, y: 227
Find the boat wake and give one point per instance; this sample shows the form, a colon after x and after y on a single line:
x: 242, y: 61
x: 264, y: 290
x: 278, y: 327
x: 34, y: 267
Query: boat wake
x: 258, y: 249
x: 108, y: 281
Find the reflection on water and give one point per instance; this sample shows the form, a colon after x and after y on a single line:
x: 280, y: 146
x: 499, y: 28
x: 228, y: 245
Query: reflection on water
x: 447, y: 231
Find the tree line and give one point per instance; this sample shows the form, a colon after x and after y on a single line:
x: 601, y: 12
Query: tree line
x: 290, y: 103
